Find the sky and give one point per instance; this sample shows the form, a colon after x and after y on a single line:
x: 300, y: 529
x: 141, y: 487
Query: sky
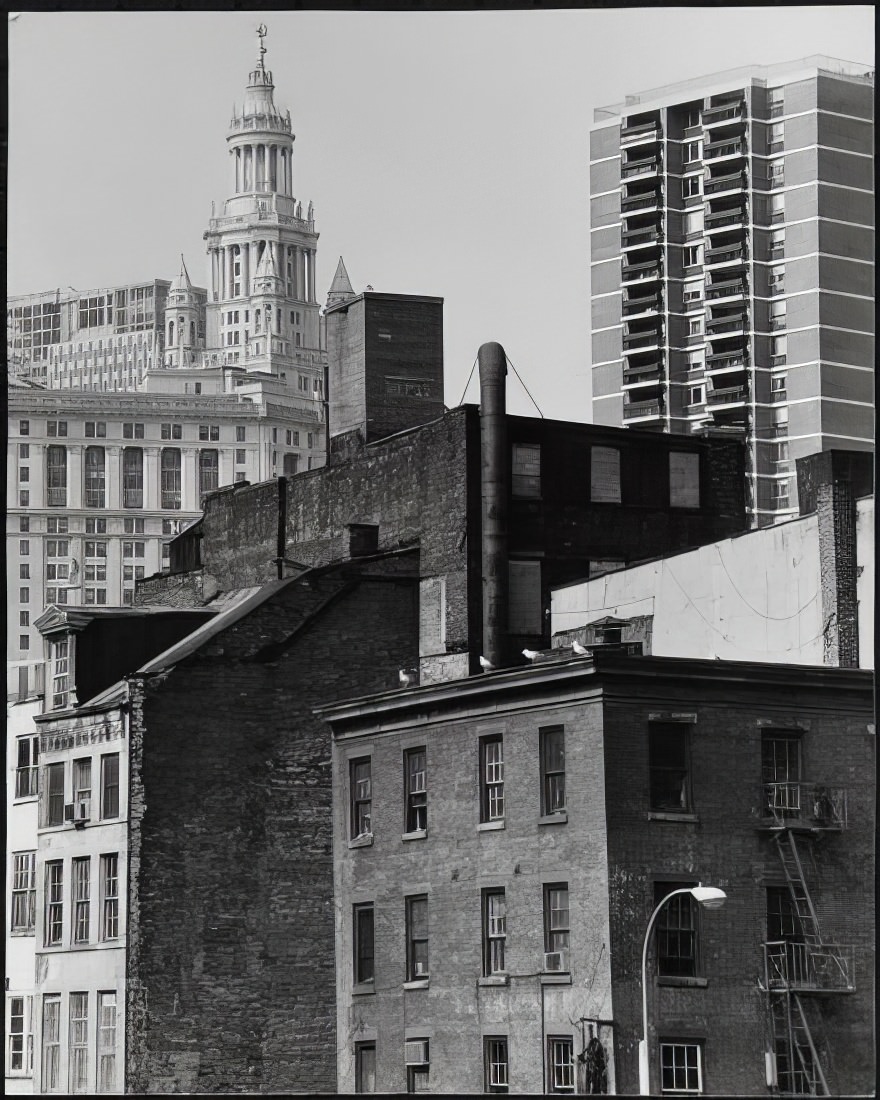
x: 446, y: 153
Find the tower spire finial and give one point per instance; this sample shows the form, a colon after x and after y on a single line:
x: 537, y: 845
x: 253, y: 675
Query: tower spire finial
x: 262, y: 32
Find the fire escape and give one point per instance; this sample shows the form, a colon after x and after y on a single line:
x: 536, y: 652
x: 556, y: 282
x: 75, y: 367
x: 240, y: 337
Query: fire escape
x: 804, y: 966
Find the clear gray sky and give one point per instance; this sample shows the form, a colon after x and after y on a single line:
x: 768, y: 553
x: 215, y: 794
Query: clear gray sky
x: 445, y: 152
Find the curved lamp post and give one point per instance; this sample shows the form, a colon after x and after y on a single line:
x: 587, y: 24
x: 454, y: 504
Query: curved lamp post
x: 710, y: 897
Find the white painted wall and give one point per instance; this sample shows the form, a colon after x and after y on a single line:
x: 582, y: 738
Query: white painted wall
x: 865, y: 583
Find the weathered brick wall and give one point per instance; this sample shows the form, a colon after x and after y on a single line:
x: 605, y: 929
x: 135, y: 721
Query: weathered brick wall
x: 231, y: 972
x: 193, y: 589
x: 724, y: 847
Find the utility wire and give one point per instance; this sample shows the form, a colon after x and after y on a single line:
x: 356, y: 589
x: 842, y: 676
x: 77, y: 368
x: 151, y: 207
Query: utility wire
x: 470, y: 376
x: 762, y: 614
x: 524, y: 386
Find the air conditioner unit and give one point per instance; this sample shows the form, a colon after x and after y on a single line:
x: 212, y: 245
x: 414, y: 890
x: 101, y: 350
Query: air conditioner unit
x: 420, y: 969
x: 82, y: 811
x: 69, y: 809
x: 556, y: 962
x: 416, y: 1052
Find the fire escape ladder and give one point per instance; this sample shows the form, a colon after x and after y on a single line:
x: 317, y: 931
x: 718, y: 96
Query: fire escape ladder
x: 805, y: 1050
x: 797, y: 884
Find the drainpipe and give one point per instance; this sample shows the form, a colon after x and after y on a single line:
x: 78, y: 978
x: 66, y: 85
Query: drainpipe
x: 493, y: 485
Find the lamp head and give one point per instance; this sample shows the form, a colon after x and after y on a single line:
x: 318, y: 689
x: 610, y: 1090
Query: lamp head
x: 710, y: 897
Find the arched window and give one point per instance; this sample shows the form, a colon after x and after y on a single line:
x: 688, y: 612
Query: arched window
x: 170, y: 333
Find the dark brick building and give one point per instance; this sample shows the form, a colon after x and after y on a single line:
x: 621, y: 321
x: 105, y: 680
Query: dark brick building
x: 502, y: 841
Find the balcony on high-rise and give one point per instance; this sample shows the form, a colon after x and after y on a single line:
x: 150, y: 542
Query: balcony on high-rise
x: 724, y: 112
x: 640, y: 162
x: 646, y: 409
x: 727, y: 395
x: 651, y: 268
x: 726, y: 323
x: 639, y: 130
x: 725, y: 253
x: 726, y: 148
x: 640, y: 196
x: 641, y: 370
x: 725, y: 216
x: 725, y: 287
x: 725, y: 182
x: 642, y: 336
x: 640, y: 301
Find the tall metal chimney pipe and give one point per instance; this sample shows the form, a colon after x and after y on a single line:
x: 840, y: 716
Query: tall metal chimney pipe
x: 493, y: 484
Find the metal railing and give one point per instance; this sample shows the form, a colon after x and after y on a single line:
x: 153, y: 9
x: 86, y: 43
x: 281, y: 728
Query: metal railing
x: 725, y: 324
x: 723, y: 149
x: 725, y: 290
x: 724, y: 255
x: 642, y: 408
x: 639, y: 169
x: 640, y: 202
x: 641, y: 340
x: 723, y: 183
x: 808, y: 804
x: 791, y: 966
x: 727, y: 396
x: 725, y: 112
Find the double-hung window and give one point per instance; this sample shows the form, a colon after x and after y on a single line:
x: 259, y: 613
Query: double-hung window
x: 54, y: 920
x: 492, y: 778
x: 82, y: 788
x: 677, y: 932
x: 364, y: 1067
x: 94, y: 491
x: 81, y: 891
x: 110, y: 896
x: 51, y: 1043
x: 24, y: 892
x: 110, y: 785
x: 107, y: 1041
x: 417, y: 938
x: 494, y: 931
x: 361, y: 797
x: 496, y: 1063
x: 669, y: 767
x: 54, y: 805
x: 560, y: 1064
x: 681, y: 1069
x: 27, y: 765
x: 20, y: 1039
x: 416, y: 790
x: 552, y: 741
x: 78, y: 1045
x: 364, y: 962
x: 556, y: 927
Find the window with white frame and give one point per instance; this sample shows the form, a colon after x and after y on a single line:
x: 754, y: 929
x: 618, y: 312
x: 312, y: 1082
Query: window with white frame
x: 28, y: 754
x: 24, y: 893
x: 361, y: 797
x: 80, y: 895
x: 495, y: 1059
x: 492, y: 778
x: 552, y: 750
x: 60, y: 652
x: 415, y: 790
x: 364, y: 950
x: 78, y: 1043
x: 691, y: 186
x: 417, y: 938
x: 692, y: 255
x: 107, y: 1041
x: 54, y: 915
x: 681, y: 1068
x: 494, y: 931
x: 560, y: 1064
x: 51, y: 1044
x: 556, y: 926
x: 110, y: 896
x: 19, y: 1036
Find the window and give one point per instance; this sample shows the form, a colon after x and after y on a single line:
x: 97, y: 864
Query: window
x: 783, y: 922
x: 361, y: 793
x: 110, y: 785
x: 95, y: 525
x: 56, y: 476
x: 552, y: 745
x: 132, y: 477
x: 24, y: 523
x: 78, y: 1048
x: 170, y: 431
x: 26, y: 767
x: 676, y: 932
x: 495, y: 1062
x: 696, y: 395
x: 24, y: 427
x: 364, y: 1067
x: 60, y: 651
x: 54, y: 808
x: 494, y: 931
x: 605, y: 474
x: 363, y: 944
x: 684, y: 479
x: 24, y: 450
x: 24, y: 498
x: 20, y: 1049
x: 94, y: 496
x: 51, y: 1047
x: 690, y: 187
x: 209, y: 470
x: 209, y: 433
x: 668, y: 750
x: 417, y: 938
x: 240, y: 433
x: 52, y: 931
x: 691, y: 151
x: 556, y: 926
x: 24, y: 571
x: 416, y: 790
x: 24, y: 892
x: 681, y: 1068
x: 416, y: 1056
x: 492, y: 778
x: 110, y: 896
x: 526, y: 477
x: 81, y: 882
x: 781, y: 772
x: 56, y: 428
x: 170, y: 474
x: 133, y: 526
x: 560, y: 1064
x: 82, y: 783
x: 107, y: 1042
x: 132, y: 431
x: 695, y: 327
x: 291, y: 462
x: 96, y: 429
x: 525, y: 605
x: 776, y: 173
x: 692, y: 255
x: 24, y: 474
x: 310, y: 441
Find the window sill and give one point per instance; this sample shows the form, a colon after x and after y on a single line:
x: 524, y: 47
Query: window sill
x: 556, y: 979
x: 559, y: 818
x: 682, y: 981
x: 363, y: 989
x: 416, y: 834
x: 490, y: 826
x: 364, y: 841
x: 419, y: 983
x: 24, y: 798
x: 494, y: 980
x: 686, y: 818
x: 22, y: 932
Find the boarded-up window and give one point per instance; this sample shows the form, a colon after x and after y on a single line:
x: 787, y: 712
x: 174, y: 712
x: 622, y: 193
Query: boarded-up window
x: 605, y: 474
x: 684, y: 479
x: 525, y: 598
x: 526, y: 481
x: 432, y: 616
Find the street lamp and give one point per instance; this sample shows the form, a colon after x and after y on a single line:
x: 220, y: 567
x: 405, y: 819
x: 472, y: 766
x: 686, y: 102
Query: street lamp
x: 710, y: 897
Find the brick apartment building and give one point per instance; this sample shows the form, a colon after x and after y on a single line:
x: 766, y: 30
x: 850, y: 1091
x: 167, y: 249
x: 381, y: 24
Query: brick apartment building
x: 501, y: 842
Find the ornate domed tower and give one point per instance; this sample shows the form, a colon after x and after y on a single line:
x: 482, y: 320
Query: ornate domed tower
x: 261, y: 235
x: 181, y: 322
